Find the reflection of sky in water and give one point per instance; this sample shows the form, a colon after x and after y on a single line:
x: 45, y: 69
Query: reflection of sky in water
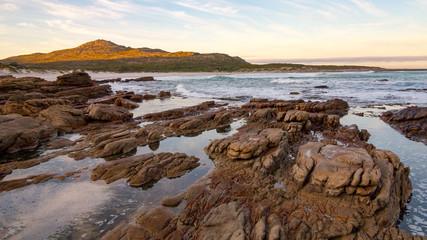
x: 412, y: 154
x: 81, y: 207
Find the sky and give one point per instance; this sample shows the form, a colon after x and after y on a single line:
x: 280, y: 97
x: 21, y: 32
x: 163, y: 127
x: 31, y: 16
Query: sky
x: 387, y: 33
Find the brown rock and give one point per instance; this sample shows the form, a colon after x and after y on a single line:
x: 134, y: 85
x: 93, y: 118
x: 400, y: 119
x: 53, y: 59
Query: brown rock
x: 156, y: 220
x: 141, y: 79
x: 149, y: 96
x: 125, y: 103
x: 118, y: 146
x: 224, y: 222
x: 63, y: 117
x: 19, y: 132
x: 90, y: 92
x: 106, y: 112
x: 144, y: 169
x: 163, y: 94
x: 173, y: 201
x: 411, y: 121
x: 80, y: 79
x: 136, y: 98
x: 335, y: 170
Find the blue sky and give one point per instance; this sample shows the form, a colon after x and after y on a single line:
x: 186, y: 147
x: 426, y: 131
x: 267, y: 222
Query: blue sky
x: 258, y: 31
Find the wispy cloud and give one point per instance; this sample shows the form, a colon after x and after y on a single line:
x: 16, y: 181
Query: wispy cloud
x: 121, y: 6
x: 209, y: 6
x: 369, y: 7
x: 69, y: 11
x: 305, y: 6
x: 8, y: 7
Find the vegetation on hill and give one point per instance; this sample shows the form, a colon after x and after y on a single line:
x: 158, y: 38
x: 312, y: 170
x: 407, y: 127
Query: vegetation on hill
x: 95, y: 50
x: 101, y: 55
x: 12, y: 67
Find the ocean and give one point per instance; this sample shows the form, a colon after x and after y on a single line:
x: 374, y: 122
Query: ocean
x: 358, y: 88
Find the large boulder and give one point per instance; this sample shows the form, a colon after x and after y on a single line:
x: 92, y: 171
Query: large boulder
x: 105, y: 112
x: 18, y: 132
x: 64, y: 117
x: 334, y: 170
x: 77, y: 79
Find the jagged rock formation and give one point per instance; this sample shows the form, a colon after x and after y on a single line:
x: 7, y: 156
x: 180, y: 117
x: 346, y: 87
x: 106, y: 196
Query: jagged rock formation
x: 268, y: 184
x: 144, y: 169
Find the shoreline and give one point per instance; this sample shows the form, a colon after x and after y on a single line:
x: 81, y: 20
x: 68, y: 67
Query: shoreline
x: 52, y: 75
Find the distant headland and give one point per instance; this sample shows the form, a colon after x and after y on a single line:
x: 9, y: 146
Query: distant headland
x: 102, y: 55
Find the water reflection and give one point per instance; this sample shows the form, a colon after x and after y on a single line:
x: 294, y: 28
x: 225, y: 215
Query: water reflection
x: 80, y: 208
x: 412, y: 154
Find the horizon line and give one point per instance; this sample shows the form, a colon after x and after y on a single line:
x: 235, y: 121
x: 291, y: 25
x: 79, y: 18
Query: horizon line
x: 340, y: 59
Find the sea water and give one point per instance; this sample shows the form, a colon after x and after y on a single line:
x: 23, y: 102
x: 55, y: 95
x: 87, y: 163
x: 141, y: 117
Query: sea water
x: 358, y: 88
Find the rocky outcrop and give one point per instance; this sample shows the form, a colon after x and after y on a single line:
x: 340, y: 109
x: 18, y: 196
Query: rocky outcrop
x: 411, y: 121
x: 144, y: 169
x: 173, y: 201
x: 28, y: 96
x: 31, y: 105
x: 189, y: 125
x: 18, y: 132
x: 372, y: 186
x: 335, y: 106
x: 163, y: 94
x: 90, y: 92
x: 105, y: 112
x: 266, y: 184
x: 181, y: 112
x: 121, y: 102
x: 334, y: 170
x: 77, y: 79
x: 63, y: 117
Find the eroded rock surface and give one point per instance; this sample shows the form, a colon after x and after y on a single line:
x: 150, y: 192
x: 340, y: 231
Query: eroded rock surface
x: 283, y: 176
x: 144, y: 169
x: 105, y: 112
x: 63, y: 117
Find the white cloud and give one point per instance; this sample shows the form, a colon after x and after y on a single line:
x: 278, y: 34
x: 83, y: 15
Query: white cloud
x: 8, y: 7
x: 25, y: 24
x: 369, y: 7
x: 214, y: 7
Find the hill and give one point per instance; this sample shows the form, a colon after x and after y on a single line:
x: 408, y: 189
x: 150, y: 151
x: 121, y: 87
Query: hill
x: 95, y: 50
x: 102, y: 55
